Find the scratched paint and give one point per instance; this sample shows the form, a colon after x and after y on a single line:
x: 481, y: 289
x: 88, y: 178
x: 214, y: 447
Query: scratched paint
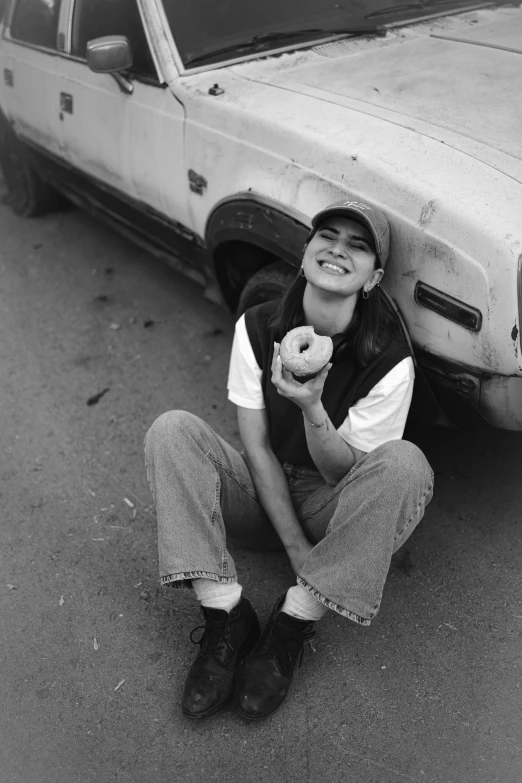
x: 427, y: 214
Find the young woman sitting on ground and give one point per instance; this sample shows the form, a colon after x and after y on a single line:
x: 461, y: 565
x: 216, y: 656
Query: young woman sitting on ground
x: 324, y: 472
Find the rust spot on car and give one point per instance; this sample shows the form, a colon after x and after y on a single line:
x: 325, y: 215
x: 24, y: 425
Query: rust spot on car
x: 246, y: 219
x: 514, y: 333
x: 426, y: 214
x: 197, y: 183
x: 267, y: 215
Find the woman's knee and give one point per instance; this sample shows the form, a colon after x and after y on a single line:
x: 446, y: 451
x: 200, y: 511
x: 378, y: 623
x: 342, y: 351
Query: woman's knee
x: 172, y: 426
x: 405, y: 461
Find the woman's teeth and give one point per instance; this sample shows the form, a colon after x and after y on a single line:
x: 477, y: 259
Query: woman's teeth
x: 333, y: 267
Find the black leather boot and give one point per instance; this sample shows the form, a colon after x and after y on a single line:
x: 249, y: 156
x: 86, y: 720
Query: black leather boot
x: 227, y: 637
x: 264, y: 676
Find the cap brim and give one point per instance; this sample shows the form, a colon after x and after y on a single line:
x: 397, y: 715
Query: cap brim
x: 359, y: 216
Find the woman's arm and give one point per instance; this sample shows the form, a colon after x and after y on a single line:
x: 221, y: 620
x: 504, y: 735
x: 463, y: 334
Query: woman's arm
x: 333, y: 457
x: 271, y: 484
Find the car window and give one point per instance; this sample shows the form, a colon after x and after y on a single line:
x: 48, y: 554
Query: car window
x: 97, y: 18
x: 36, y: 22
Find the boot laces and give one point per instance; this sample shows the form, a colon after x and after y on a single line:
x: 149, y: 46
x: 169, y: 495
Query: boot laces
x: 212, y: 640
x: 289, y: 641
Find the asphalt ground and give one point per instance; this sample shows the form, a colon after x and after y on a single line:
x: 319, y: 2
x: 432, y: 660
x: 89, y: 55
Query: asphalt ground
x: 93, y: 652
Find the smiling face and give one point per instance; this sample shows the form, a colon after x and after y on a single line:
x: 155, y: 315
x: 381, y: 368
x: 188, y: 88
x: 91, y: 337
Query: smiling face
x: 340, y: 258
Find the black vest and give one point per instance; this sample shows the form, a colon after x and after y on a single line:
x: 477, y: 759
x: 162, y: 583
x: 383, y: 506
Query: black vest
x: 347, y: 382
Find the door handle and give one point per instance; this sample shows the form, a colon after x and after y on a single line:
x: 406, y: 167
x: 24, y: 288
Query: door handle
x: 66, y: 102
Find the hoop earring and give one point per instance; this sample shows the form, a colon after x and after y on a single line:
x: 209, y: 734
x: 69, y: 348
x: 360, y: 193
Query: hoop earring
x: 301, y: 272
x: 365, y: 294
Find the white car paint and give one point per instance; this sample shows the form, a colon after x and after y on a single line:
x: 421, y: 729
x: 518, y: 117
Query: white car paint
x: 453, y: 200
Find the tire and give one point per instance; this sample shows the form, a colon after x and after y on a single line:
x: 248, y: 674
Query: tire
x: 271, y: 282
x: 27, y: 194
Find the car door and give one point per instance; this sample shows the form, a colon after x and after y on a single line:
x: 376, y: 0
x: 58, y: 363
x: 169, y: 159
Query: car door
x: 124, y: 141
x: 31, y: 73
x: 93, y: 108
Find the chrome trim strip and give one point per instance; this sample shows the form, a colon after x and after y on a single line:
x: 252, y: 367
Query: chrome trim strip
x: 65, y: 25
x: 477, y: 43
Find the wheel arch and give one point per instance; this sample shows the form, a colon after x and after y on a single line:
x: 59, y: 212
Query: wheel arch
x: 266, y: 228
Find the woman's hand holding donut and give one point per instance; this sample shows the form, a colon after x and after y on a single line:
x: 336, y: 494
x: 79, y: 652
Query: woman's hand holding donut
x: 306, y: 395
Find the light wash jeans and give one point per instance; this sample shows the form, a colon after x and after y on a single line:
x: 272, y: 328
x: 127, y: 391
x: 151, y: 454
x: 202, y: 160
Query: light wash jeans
x: 204, y: 493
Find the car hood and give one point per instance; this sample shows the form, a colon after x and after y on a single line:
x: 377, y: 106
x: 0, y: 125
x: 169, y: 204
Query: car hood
x: 465, y: 92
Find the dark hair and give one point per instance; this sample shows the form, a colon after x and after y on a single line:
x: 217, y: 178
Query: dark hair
x: 370, y: 325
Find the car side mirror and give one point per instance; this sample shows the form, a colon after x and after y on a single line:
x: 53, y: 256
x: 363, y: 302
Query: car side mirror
x: 110, y: 54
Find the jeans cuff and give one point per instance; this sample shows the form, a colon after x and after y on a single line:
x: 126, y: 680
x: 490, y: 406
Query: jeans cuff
x: 183, y: 581
x: 332, y: 605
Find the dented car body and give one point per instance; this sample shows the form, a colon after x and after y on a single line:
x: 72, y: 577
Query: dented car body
x: 221, y: 156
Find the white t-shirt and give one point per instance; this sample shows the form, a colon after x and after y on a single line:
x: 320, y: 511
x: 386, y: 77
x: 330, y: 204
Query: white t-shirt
x: 372, y: 421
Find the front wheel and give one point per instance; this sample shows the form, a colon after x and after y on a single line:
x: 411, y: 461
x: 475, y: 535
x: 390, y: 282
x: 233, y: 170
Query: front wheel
x: 27, y: 194
x: 271, y: 282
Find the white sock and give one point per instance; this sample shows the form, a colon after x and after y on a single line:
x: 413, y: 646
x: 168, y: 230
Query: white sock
x: 217, y: 595
x: 301, y: 604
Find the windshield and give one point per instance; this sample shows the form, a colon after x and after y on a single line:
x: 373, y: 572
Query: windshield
x: 211, y: 31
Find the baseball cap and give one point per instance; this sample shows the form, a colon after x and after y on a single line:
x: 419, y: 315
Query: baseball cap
x: 374, y: 220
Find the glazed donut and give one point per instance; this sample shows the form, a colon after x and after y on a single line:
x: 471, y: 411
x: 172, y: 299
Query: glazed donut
x: 304, y: 353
